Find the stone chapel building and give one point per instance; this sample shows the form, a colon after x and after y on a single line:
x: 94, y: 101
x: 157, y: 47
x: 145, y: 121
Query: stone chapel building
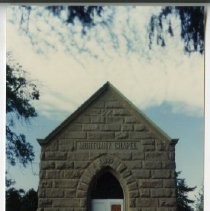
x: 107, y: 156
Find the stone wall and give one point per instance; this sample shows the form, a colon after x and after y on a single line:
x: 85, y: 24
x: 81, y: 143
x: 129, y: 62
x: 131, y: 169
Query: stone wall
x: 108, y: 134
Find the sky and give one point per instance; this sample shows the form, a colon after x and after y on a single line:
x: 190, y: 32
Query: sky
x: 165, y: 83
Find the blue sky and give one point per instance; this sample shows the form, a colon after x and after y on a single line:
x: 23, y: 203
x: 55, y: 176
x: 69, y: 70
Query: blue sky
x: 165, y: 83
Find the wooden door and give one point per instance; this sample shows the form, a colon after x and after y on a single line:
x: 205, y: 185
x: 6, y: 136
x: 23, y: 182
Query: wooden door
x: 116, y: 207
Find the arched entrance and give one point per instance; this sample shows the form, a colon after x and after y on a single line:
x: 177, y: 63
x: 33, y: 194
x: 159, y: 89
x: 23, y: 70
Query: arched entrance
x: 106, y: 193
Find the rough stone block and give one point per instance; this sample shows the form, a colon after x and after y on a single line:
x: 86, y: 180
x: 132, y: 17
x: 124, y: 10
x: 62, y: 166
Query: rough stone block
x: 160, y: 146
x: 80, y: 164
x: 93, y: 111
x: 130, y: 180
x: 110, y: 127
x: 147, y: 202
x: 144, y: 192
x: 126, y: 173
x: 150, y: 183
x: 148, y: 209
x: 65, y: 209
x: 168, y: 164
x: 167, y: 209
x: 167, y: 202
x: 172, y: 156
x: 45, y: 203
x: 94, y: 155
x: 62, y: 165
x: 148, y: 141
x: 83, y: 119
x: 83, y: 186
x: 55, y: 155
x: 120, y: 112
x: 169, y: 183
x: 133, y: 194
x: 72, y: 174
x: 66, y: 146
x: 152, y: 164
x: 101, y: 135
x: 158, y: 174
x: 54, y: 174
x: 133, y: 186
x: 134, y: 164
x: 141, y: 174
x: 74, y: 156
x: 77, y: 135
x: 42, y: 174
x: 90, y: 127
x: 75, y: 127
x: 124, y: 155
x: 69, y: 193
x: 148, y: 148
x: 80, y: 209
x: 52, y: 146
x: 127, y: 127
x: 160, y: 156
x: 54, y: 193
x: 114, y: 119
x: 138, y: 156
x: 45, y: 183
x: 139, y: 127
x: 132, y: 202
x: 113, y: 104
x: 47, y: 165
x: 65, y: 183
x: 83, y: 202
x: 97, y: 119
x: 140, y: 135
x: 130, y: 119
x: 64, y: 202
x: 121, y: 168
x: 81, y: 194
x: 121, y: 135
x: 99, y: 104
x: 161, y: 192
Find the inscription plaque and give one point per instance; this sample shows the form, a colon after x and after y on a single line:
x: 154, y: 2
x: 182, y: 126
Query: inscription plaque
x: 111, y: 145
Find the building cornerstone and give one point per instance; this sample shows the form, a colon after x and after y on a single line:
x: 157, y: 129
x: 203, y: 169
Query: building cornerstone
x: 107, y: 156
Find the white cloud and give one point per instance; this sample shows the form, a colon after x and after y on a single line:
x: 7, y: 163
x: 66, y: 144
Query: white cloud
x: 146, y: 77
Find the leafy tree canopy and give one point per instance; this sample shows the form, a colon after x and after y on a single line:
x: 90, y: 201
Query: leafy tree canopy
x: 159, y: 25
x: 192, y: 27
x: 20, y: 91
x: 19, y: 200
x: 183, y: 201
x: 199, y: 201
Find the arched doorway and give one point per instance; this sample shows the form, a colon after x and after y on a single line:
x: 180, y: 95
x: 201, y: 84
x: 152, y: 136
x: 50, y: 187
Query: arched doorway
x: 106, y: 193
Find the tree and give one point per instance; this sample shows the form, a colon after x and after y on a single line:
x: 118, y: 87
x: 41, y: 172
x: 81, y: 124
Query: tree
x: 159, y: 25
x: 30, y: 201
x: 20, y: 92
x: 183, y: 189
x: 14, y: 199
x: 192, y: 27
x: 199, y: 201
x: 18, y: 200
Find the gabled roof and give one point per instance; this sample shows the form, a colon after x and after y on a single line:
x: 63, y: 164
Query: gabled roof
x: 108, y: 86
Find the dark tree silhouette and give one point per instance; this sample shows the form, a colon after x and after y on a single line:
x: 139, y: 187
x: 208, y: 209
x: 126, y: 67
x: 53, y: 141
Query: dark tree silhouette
x: 199, y: 201
x: 183, y: 189
x: 30, y: 201
x: 20, y: 91
x: 18, y: 200
x: 192, y: 27
x: 84, y: 13
x: 191, y: 18
x: 14, y: 199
